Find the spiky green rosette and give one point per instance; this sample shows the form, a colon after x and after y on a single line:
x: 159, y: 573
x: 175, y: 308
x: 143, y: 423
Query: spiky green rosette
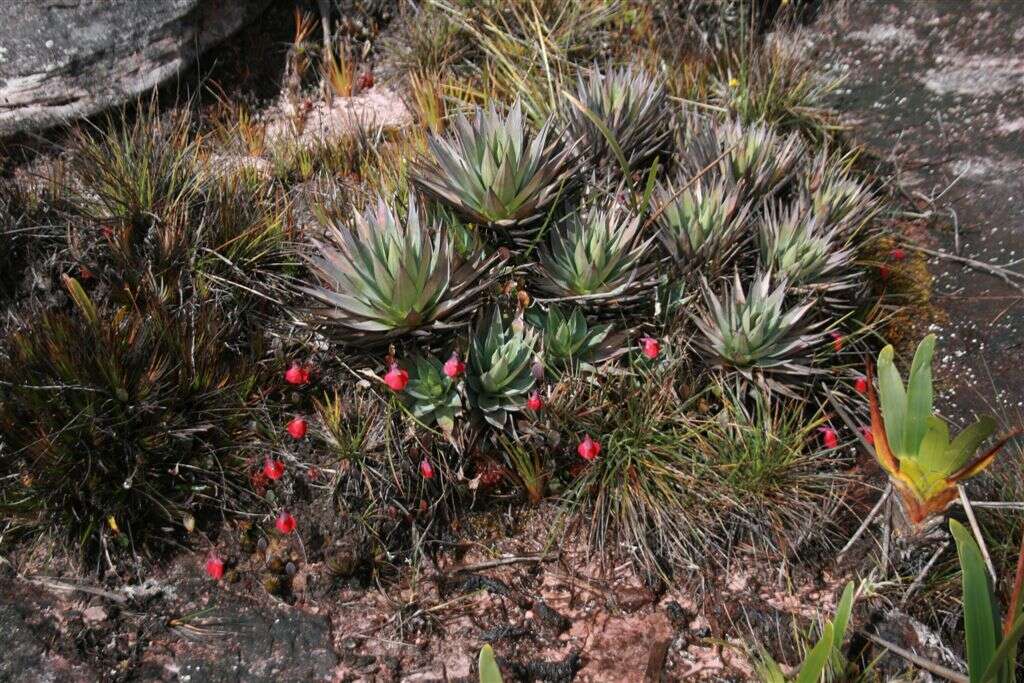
x: 568, y: 341
x: 629, y: 106
x: 756, y: 155
x: 797, y: 245
x: 494, y: 172
x: 700, y: 224
x: 836, y: 196
x: 431, y: 395
x: 500, y: 363
x: 755, y: 334
x: 597, y: 256
x: 386, y: 277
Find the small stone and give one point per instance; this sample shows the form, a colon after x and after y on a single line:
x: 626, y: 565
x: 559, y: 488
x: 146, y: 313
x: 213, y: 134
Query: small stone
x: 95, y: 614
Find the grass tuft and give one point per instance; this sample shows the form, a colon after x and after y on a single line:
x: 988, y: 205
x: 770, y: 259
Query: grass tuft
x: 119, y: 423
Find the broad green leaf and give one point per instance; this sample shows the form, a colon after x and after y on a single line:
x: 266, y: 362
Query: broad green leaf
x: 816, y: 660
x: 967, y: 442
x: 894, y: 400
x: 489, y: 672
x: 843, y: 611
x: 934, y: 451
x: 981, y: 618
x: 919, y: 396
x: 1004, y: 661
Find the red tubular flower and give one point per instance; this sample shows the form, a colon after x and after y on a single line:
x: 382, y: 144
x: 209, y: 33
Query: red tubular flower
x: 285, y: 523
x: 396, y: 378
x: 426, y: 469
x: 453, y: 367
x: 535, y: 402
x: 296, y: 374
x: 651, y: 347
x: 897, y: 254
x: 829, y: 437
x: 273, y: 469
x: 861, y: 385
x: 215, y: 567
x: 588, y: 448
x: 837, y: 341
x: 297, y: 427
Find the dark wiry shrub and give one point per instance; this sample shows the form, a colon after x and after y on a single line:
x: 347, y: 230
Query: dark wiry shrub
x: 119, y: 422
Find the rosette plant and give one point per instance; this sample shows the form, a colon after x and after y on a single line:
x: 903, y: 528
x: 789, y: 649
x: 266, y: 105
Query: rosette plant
x: 756, y: 334
x: 385, y: 277
x: 569, y: 341
x: 699, y: 224
x: 795, y: 243
x: 756, y: 155
x: 495, y: 173
x: 912, y: 442
x: 836, y: 196
x: 431, y: 395
x: 500, y: 376
x: 619, y: 116
x: 596, y: 256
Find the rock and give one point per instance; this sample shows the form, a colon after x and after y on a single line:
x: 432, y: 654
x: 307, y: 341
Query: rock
x: 64, y: 59
x: 94, y: 614
x: 259, y: 644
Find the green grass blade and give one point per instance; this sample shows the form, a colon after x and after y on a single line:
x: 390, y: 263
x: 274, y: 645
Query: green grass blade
x: 981, y: 623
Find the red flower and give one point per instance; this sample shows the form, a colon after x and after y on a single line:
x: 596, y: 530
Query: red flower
x: 829, y: 436
x: 884, y: 272
x: 588, y: 448
x: 215, y: 567
x: 534, y: 403
x: 861, y: 385
x: 285, y: 522
x: 426, y: 469
x: 396, y: 378
x: 837, y: 341
x: 297, y: 428
x: 453, y: 367
x: 366, y: 80
x: 897, y: 254
x: 296, y: 374
x: 273, y: 469
x: 650, y: 347
x: 868, y: 435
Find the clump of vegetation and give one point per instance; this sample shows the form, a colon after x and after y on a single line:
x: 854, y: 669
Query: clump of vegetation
x: 912, y: 442
x: 757, y: 334
x: 618, y: 116
x: 116, y: 420
x: 391, y: 276
x: 494, y: 172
